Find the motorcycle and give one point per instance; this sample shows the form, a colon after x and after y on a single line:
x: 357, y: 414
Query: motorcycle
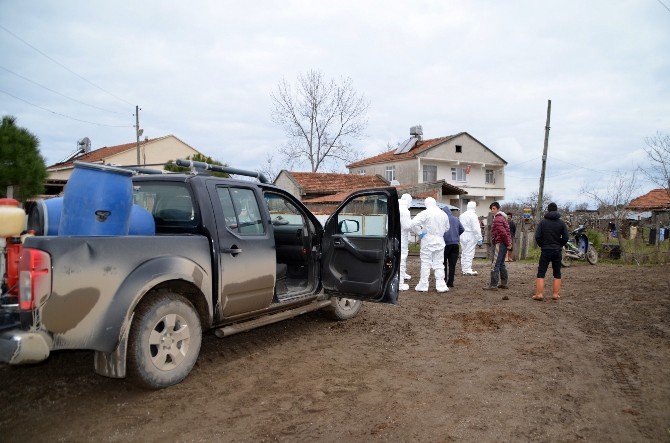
x: 579, y: 248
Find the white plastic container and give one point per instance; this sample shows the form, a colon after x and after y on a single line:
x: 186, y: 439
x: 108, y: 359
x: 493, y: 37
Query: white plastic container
x: 12, y: 218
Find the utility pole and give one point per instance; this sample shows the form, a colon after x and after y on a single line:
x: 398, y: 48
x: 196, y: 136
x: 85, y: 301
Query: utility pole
x: 137, y: 132
x: 538, y: 213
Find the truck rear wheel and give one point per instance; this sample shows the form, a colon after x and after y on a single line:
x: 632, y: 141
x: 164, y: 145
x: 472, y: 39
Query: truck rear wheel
x: 343, y: 308
x: 164, y: 341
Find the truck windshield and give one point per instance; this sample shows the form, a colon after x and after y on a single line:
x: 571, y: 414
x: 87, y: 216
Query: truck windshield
x: 169, y: 203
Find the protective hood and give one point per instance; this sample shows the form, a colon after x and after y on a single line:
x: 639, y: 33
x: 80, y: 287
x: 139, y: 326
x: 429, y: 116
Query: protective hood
x: 430, y: 203
x: 403, y: 203
x: 552, y: 215
x: 471, y: 206
x: 406, y: 197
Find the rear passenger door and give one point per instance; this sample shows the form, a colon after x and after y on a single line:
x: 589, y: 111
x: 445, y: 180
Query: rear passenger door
x: 361, y: 247
x: 246, y: 249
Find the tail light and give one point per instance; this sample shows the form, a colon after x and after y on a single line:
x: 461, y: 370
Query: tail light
x: 34, y: 278
x: 14, y: 248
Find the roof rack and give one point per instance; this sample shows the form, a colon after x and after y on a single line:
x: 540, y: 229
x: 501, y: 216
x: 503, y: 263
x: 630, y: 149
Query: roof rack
x: 139, y: 170
x: 202, y: 166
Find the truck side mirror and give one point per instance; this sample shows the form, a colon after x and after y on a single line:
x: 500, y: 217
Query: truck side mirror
x: 349, y: 226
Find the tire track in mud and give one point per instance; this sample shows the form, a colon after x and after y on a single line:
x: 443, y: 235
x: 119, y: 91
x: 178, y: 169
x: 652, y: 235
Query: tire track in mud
x: 624, y: 372
x: 623, y: 369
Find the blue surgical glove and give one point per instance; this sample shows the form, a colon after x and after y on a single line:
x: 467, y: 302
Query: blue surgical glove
x: 422, y: 234
x: 479, y: 243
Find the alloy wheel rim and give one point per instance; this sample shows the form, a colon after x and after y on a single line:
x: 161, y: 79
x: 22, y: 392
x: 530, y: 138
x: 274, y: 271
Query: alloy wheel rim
x: 169, y: 341
x: 347, y: 304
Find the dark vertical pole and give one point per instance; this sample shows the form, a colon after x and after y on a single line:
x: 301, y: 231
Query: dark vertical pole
x: 538, y: 210
x: 137, y: 132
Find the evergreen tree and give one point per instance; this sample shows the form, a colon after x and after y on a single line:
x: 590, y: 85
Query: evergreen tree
x: 21, y: 164
x: 172, y: 167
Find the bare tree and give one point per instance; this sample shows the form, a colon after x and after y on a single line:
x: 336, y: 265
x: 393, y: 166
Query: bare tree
x: 530, y: 201
x: 321, y: 118
x: 658, y: 153
x: 271, y: 166
x: 613, y: 199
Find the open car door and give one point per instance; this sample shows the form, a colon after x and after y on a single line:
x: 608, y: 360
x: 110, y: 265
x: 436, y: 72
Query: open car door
x: 361, y: 247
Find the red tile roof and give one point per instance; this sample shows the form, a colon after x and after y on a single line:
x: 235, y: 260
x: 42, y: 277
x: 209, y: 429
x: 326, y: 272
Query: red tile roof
x: 103, y: 153
x: 392, y: 156
x: 331, y: 183
x: 654, y: 199
x: 332, y: 198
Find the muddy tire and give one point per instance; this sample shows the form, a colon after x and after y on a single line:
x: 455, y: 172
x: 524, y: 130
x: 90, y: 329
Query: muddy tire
x: 164, y: 341
x: 343, y: 308
x: 592, y: 255
x: 565, y: 260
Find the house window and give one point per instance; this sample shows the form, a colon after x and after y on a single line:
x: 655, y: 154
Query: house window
x: 361, y: 172
x: 458, y: 174
x: 390, y: 173
x: 429, y: 173
x: 489, y: 176
x: 459, y: 148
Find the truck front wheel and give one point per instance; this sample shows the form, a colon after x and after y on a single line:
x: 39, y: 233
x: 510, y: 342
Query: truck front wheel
x: 343, y: 308
x: 164, y: 341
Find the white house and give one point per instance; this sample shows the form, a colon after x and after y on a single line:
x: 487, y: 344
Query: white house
x: 460, y: 160
x: 152, y: 151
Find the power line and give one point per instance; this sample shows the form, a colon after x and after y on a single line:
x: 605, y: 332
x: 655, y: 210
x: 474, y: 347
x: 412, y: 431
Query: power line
x: 65, y: 115
x: 56, y: 92
x: 63, y: 66
x: 525, y: 161
x: 664, y: 5
x: 598, y: 171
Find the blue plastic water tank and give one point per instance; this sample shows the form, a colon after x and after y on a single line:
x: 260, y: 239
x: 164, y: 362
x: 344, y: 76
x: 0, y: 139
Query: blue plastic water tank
x: 97, y: 201
x: 46, y: 218
x: 52, y: 209
x: 141, y: 222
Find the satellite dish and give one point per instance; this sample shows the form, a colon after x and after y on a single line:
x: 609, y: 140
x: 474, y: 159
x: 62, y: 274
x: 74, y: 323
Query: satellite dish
x: 394, y: 183
x: 84, y: 145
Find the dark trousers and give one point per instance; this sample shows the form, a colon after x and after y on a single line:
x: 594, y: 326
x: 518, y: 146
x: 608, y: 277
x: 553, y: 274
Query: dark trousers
x: 552, y: 256
x: 498, y: 258
x: 450, y: 258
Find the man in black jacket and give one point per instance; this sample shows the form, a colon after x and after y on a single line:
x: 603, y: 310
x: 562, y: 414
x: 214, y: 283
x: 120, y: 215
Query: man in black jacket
x: 551, y: 235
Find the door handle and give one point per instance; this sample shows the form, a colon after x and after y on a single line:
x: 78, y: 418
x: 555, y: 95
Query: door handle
x: 337, y: 243
x: 234, y: 250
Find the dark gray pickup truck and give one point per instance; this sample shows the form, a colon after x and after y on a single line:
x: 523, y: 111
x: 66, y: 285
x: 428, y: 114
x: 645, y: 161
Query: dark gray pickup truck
x: 228, y: 255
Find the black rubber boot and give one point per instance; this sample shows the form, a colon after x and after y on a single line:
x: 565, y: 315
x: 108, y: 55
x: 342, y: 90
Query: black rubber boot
x: 503, y: 279
x: 493, y: 286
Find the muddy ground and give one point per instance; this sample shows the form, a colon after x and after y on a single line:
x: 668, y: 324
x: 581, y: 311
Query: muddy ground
x: 465, y: 365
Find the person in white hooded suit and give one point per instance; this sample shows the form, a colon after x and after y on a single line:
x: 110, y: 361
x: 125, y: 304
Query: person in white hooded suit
x: 431, y: 224
x: 471, y: 236
x: 405, y: 229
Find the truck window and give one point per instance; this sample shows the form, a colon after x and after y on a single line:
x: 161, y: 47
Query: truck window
x: 364, y: 216
x: 170, y: 203
x: 241, y: 211
x: 282, y: 211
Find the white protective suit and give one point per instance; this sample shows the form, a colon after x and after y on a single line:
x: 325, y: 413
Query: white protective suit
x: 434, y: 223
x: 471, y: 235
x: 405, y: 229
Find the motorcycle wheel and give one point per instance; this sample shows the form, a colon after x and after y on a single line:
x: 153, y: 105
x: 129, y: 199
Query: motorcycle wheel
x: 592, y: 255
x: 565, y: 260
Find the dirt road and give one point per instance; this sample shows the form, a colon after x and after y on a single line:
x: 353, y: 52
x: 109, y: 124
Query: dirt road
x: 465, y: 365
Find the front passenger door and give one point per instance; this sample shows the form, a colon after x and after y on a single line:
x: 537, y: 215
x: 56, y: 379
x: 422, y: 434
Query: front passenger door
x: 361, y: 247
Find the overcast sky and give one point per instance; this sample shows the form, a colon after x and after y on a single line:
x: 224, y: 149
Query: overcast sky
x: 204, y: 71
